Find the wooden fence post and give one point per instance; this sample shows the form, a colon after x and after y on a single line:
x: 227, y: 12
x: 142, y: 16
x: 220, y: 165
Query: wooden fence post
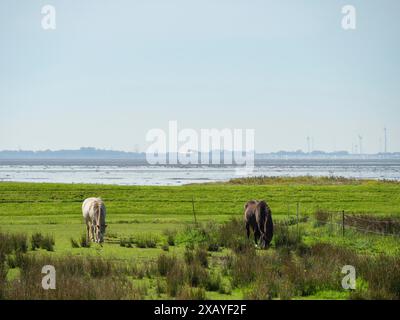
x: 343, y: 223
x: 297, y: 214
x: 194, y: 211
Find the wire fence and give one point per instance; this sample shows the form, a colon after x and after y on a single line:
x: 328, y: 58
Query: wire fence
x: 199, y: 206
x: 382, y: 226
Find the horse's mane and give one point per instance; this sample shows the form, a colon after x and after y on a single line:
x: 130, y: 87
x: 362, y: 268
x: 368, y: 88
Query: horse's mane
x: 97, y: 210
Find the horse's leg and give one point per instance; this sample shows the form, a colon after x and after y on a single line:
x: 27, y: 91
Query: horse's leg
x: 87, y: 231
x: 248, y: 230
x: 262, y: 241
x: 91, y: 231
x: 94, y: 232
x: 257, y: 235
x: 95, y: 223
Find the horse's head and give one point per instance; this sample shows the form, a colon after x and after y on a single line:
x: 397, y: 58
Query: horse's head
x: 266, y: 235
x: 264, y: 241
x: 100, y: 232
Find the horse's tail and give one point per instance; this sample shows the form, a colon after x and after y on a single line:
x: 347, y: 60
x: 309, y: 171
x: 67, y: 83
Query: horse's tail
x: 263, y: 208
x: 268, y: 227
x: 268, y: 223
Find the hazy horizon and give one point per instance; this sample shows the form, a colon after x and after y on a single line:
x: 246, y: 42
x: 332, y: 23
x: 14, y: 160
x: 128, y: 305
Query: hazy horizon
x: 111, y: 71
x: 93, y: 149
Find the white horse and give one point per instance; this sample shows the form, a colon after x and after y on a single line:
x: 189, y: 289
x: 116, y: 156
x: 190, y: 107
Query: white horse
x: 94, y: 213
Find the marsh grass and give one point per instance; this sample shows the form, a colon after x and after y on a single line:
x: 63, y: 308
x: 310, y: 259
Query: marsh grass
x: 74, y: 243
x: 82, y: 242
x: 166, y: 263
x: 48, y: 243
x: 243, y: 267
x: 292, y: 221
x: 75, y: 288
x: 196, y: 275
x: 13, y: 243
x: 213, y: 238
x: 175, y: 279
x: 161, y: 286
x: 214, y: 281
x: 288, y: 238
x: 189, y: 272
x: 201, y: 256
x: 196, y: 267
x: 85, y: 242
x: 190, y: 293
x: 36, y: 240
x: 146, y: 241
x: 231, y: 232
x: 77, y: 278
x: 40, y: 241
x: 170, y: 235
x: 382, y: 275
x: 127, y: 242
x: 192, y: 235
x: 310, y: 180
x: 284, y: 273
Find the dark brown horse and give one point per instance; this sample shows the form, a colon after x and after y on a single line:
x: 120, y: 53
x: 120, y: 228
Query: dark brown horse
x: 257, y: 216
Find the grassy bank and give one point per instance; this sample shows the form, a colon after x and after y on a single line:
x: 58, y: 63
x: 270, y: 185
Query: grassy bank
x: 146, y: 224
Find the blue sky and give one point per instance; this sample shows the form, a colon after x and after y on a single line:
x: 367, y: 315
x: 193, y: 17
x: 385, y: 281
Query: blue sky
x: 112, y: 70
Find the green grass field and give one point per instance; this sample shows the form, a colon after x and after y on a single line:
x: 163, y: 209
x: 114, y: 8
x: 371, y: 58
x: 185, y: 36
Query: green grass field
x: 138, y: 211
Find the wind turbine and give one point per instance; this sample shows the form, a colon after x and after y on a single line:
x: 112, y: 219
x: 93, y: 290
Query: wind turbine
x: 385, y: 131
x: 360, y: 139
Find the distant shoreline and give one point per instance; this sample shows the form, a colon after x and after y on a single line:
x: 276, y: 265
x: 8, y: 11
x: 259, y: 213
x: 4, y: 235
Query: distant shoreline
x: 128, y: 172
x: 258, y: 162
x: 107, y: 156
